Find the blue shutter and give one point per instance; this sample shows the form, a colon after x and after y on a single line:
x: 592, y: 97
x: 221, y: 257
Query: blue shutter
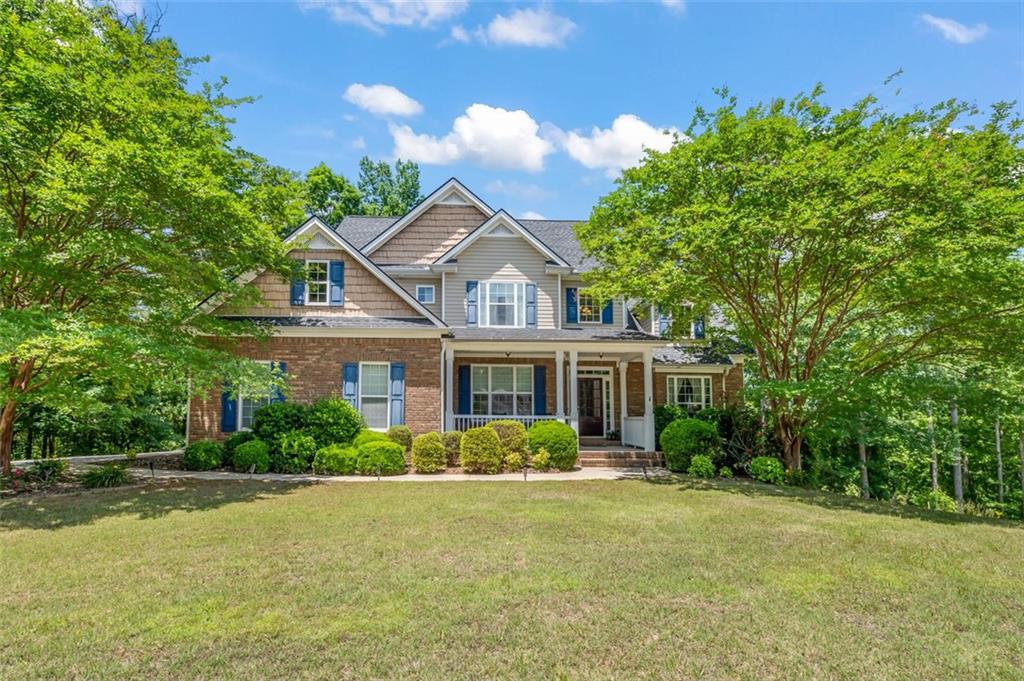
x: 531, y: 306
x: 337, y: 277
x: 607, y: 314
x: 471, y: 317
x: 698, y: 327
x: 278, y: 396
x: 298, y: 291
x: 397, y: 393
x: 572, y: 310
x: 540, y: 392
x: 465, y: 391
x: 228, y: 410
x: 350, y: 383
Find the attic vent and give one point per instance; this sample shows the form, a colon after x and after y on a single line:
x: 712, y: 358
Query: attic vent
x: 500, y: 230
x: 453, y: 198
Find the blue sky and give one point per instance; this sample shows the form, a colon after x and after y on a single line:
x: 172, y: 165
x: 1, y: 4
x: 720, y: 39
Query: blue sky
x: 538, y: 106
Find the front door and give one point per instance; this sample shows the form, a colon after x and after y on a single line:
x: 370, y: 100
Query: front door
x: 591, y: 392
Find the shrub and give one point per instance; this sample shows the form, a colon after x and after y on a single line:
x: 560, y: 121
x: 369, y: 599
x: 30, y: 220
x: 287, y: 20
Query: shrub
x: 366, y: 436
x: 48, y: 470
x: 739, y: 429
x: 725, y: 472
x: 294, y: 453
x: 336, y: 459
x: 428, y: 453
x: 233, y: 442
x: 480, y: 451
x: 253, y: 454
x: 685, y: 438
x: 402, y: 435
x: 452, y: 440
x: 512, y: 435
x: 665, y: 414
x: 701, y: 466
x: 937, y: 500
x: 202, y: 455
x: 333, y: 420
x: 767, y: 469
x: 514, y: 461
x: 541, y: 460
x: 385, y: 455
x: 108, y: 475
x: 559, y: 440
x: 272, y: 421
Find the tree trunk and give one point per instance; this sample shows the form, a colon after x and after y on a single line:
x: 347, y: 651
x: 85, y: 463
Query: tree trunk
x: 7, y: 435
x: 865, y: 488
x: 792, y: 443
x: 958, y: 482
x: 999, y: 460
x: 934, y: 451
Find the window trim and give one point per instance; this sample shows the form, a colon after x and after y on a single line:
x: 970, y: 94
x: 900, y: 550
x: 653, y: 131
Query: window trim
x: 238, y: 406
x: 515, y: 393
x: 386, y: 396
x: 518, y: 304
x: 425, y: 288
x: 707, y: 381
x: 597, y: 305
x: 326, y: 282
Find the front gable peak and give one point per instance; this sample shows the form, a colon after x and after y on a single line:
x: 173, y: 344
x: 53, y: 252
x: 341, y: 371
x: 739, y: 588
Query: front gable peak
x: 502, y: 225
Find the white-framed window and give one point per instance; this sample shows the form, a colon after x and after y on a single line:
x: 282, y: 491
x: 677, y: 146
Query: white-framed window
x: 248, y: 404
x: 374, y: 379
x: 692, y: 392
x: 589, y: 309
x: 502, y: 389
x: 316, y: 282
x: 503, y: 303
x: 425, y: 294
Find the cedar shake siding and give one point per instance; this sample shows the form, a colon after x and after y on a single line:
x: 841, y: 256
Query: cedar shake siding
x: 314, y: 370
x: 429, y: 236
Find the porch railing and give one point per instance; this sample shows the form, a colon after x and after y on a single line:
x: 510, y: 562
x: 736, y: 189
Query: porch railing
x: 464, y: 422
x: 633, y: 431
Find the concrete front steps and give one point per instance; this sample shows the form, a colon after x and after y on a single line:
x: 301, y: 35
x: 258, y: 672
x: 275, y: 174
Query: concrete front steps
x: 618, y: 458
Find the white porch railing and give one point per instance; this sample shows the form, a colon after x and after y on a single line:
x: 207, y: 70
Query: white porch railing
x: 633, y: 431
x: 464, y: 422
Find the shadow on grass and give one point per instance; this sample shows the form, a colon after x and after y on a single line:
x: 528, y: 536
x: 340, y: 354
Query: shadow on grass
x: 146, y: 502
x: 829, y: 500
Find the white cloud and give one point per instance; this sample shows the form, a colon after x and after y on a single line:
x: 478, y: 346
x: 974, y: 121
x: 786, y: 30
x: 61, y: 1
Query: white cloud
x: 532, y: 215
x: 382, y: 100
x: 677, y: 6
x: 619, y: 146
x: 528, y: 27
x: 359, y: 143
x: 529, y: 192
x: 376, y: 14
x: 311, y: 131
x: 460, y: 35
x: 489, y: 136
x: 129, y: 8
x: 954, y: 31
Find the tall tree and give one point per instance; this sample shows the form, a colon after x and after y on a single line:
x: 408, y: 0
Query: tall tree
x: 330, y: 196
x: 123, y: 204
x: 897, y: 234
x: 387, y: 192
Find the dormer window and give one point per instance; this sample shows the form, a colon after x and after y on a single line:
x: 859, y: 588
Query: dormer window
x: 590, y: 311
x: 316, y: 282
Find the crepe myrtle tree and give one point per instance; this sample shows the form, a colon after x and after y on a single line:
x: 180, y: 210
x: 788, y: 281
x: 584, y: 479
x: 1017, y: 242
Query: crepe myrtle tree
x: 123, y: 205
x: 804, y: 225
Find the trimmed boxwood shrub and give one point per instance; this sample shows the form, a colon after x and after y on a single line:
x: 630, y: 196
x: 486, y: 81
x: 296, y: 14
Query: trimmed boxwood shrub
x: 366, y: 436
x: 452, y: 440
x: 701, y: 466
x: 480, y: 451
x: 686, y: 438
x: 252, y: 454
x: 428, y: 453
x: 514, y: 461
x: 272, y: 421
x: 202, y: 455
x: 767, y: 469
x: 294, y: 453
x: 665, y: 414
x: 512, y: 435
x: 233, y: 442
x: 336, y: 459
x: 402, y: 435
x: 388, y: 456
x: 333, y: 420
x: 560, y: 441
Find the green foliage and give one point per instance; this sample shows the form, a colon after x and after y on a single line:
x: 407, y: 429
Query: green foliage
x: 937, y: 501
x: 272, y: 421
x: 402, y: 435
x: 366, y: 436
x: 336, y: 459
x: 480, y: 451
x: 452, y: 441
x: 385, y: 192
x: 428, y: 453
x: 253, y: 454
x: 541, y: 460
x: 514, y: 461
x: 107, y: 475
x: 294, y: 453
x: 384, y: 456
x: 330, y: 196
x: 233, y: 442
x: 560, y: 441
x: 665, y: 414
x: 512, y: 435
x: 202, y: 455
x: 701, y: 466
x: 48, y: 470
x: 739, y: 430
x: 725, y: 472
x: 685, y: 438
x: 333, y: 420
x: 766, y: 469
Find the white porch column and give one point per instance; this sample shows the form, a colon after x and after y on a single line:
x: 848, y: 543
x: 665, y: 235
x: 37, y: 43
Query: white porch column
x: 560, y: 385
x: 623, y: 410
x: 649, y: 443
x: 574, y: 393
x: 449, y: 388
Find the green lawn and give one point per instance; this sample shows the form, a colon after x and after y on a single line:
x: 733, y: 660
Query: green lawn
x: 485, y: 579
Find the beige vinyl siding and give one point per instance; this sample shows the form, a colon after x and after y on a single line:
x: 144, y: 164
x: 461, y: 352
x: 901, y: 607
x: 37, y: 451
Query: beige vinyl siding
x: 579, y: 284
x: 504, y: 258
x: 410, y: 284
x: 429, y: 236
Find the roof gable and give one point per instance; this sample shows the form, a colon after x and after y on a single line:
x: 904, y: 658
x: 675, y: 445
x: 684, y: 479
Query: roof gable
x: 502, y: 225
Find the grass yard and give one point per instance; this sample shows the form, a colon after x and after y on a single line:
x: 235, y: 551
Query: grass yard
x: 490, y: 579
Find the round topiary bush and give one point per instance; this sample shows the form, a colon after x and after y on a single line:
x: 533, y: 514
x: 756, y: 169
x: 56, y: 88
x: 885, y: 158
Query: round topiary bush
x: 294, y: 453
x: 685, y: 438
x: 665, y: 414
x: 202, y: 455
x: 428, y: 453
x: 253, y: 454
x: 452, y: 441
x: 402, y: 435
x: 701, y: 466
x: 336, y: 459
x: 480, y: 451
x: 767, y: 469
x: 272, y: 421
x: 333, y: 420
x: 512, y: 435
x: 233, y: 442
x: 366, y: 436
x: 384, y: 455
x: 558, y: 439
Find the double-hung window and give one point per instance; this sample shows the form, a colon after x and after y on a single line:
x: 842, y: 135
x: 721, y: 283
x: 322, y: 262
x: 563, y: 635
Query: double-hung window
x: 373, y: 394
x: 503, y: 303
x: 590, y: 310
x: 502, y: 390
x: 248, y: 404
x: 690, y: 392
x: 316, y: 282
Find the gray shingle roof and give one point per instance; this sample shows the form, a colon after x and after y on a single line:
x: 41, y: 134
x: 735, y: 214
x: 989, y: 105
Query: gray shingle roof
x: 691, y: 354
x: 583, y: 335
x: 359, y: 230
x: 343, y: 322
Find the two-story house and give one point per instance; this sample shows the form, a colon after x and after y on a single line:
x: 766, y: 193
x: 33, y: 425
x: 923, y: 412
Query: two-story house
x: 456, y: 314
